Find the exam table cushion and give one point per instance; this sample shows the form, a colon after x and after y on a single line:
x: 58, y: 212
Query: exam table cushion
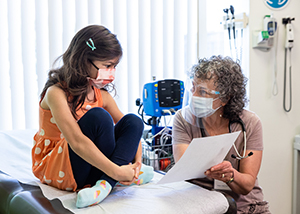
x: 19, y: 198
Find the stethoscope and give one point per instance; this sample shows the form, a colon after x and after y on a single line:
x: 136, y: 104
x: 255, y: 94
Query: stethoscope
x: 239, y: 120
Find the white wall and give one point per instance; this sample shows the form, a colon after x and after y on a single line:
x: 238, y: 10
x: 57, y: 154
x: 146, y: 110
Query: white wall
x: 279, y: 127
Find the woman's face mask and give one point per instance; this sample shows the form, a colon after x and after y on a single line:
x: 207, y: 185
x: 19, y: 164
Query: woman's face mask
x: 104, y: 77
x: 202, y: 106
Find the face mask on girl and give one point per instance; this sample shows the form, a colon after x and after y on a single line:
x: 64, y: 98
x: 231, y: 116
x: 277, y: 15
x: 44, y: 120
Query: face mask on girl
x: 202, y: 106
x: 104, y: 77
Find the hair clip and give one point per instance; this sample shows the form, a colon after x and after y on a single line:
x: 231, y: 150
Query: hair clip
x: 91, y: 46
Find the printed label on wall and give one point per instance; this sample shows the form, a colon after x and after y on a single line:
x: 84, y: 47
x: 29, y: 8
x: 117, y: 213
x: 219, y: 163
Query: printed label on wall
x: 276, y: 4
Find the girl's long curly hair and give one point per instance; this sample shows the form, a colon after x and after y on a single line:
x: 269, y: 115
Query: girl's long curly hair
x: 72, y: 75
x: 229, y: 81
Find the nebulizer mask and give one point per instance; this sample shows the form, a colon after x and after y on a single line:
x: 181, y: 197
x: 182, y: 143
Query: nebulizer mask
x: 198, y: 101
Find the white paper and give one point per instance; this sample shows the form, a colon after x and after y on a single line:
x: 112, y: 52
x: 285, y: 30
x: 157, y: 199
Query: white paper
x: 15, y: 154
x: 141, y: 198
x: 201, y: 154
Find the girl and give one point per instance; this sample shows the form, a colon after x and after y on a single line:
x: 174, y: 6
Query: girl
x: 83, y: 138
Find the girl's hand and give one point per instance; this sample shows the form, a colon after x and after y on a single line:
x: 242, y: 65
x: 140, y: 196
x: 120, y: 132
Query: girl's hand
x: 137, y: 171
x: 128, y: 173
x: 223, y: 171
x: 136, y: 176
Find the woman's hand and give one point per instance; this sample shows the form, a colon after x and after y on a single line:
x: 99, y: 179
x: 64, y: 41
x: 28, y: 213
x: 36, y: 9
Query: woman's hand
x: 223, y: 171
x: 244, y: 179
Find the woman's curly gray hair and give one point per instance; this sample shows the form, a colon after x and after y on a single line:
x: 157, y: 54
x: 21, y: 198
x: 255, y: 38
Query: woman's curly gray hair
x: 228, y: 79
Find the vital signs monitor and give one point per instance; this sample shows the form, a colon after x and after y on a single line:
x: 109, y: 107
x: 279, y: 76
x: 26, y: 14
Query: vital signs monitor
x: 162, y: 95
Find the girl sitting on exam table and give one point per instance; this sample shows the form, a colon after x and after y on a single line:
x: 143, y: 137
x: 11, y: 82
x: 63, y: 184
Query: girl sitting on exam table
x: 215, y: 96
x: 85, y: 143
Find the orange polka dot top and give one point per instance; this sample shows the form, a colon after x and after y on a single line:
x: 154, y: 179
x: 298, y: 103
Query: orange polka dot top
x: 50, y: 154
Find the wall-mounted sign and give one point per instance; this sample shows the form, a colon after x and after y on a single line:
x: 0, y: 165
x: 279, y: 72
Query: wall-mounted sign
x: 276, y: 4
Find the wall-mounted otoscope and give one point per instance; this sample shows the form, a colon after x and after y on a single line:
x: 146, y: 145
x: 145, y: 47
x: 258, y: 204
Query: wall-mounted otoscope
x: 289, y: 32
x: 235, y: 22
x: 234, y: 33
x: 228, y: 25
x: 289, y: 43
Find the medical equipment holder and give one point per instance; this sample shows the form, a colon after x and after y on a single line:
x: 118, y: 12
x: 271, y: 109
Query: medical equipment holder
x: 157, y: 155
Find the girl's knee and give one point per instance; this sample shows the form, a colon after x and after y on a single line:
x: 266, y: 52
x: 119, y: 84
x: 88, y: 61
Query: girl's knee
x: 135, y: 121
x: 98, y: 113
x: 96, y: 117
x: 96, y: 110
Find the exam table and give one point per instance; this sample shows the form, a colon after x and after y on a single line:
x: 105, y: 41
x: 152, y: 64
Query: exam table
x: 20, y: 196
x: 17, y: 198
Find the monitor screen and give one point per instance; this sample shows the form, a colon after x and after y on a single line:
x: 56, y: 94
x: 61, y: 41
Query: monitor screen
x: 169, y: 93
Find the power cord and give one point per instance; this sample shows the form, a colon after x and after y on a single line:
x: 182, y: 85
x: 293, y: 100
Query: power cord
x: 275, y: 85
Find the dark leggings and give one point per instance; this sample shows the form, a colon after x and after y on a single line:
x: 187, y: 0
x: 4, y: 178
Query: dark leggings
x: 117, y: 142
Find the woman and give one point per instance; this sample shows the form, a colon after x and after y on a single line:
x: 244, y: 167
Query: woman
x: 216, y: 96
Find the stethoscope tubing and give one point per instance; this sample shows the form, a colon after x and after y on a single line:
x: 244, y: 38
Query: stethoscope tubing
x: 240, y: 121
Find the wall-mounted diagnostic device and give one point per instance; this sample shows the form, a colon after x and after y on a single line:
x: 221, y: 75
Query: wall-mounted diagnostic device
x: 235, y: 23
x: 162, y: 95
x: 289, y: 43
x: 264, y: 39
